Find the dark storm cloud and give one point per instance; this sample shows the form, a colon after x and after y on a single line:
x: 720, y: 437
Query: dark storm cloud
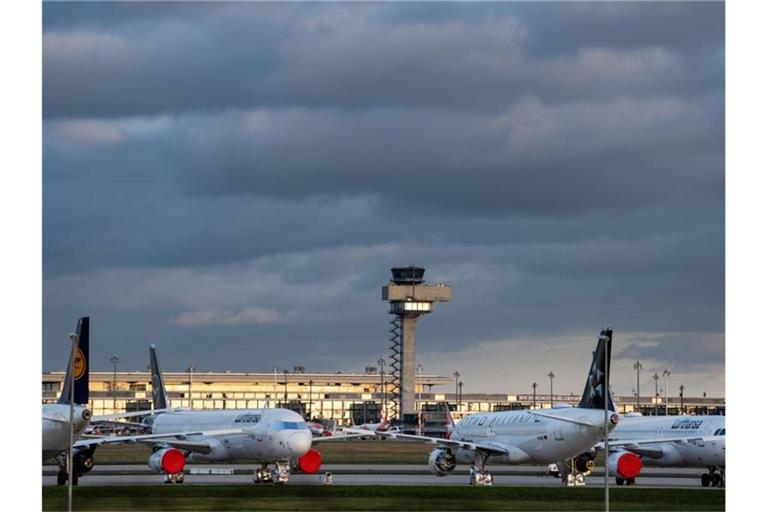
x: 233, y: 57
x: 247, y: 173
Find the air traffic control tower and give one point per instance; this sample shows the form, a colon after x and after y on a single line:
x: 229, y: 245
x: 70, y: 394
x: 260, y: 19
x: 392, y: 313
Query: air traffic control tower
x: 409, y: 298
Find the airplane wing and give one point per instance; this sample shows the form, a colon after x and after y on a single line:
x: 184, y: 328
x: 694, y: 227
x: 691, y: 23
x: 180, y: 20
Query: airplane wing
x: 645, y: 447
x: 110, y: 417
x: 449, y: 443
x: 323, y: 439
x: 177, y: 439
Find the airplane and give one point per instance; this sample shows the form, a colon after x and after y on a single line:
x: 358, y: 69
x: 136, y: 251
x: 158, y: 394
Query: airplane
x: 527, y: 436
x: 56, y: 416
x: 667, y: 441
x: 277, y: 439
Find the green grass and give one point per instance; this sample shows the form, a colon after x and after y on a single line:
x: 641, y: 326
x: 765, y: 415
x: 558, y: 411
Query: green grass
x: 350, y: 497
x: 334, y: 452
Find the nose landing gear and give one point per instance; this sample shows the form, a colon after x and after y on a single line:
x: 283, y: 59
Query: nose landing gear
x: 714, y: 478
x: 276, y: 473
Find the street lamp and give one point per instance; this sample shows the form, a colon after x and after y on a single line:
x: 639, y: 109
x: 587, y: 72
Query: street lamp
x: 309, y: 414
x: 656, y: 394
x: 551, y: 389
x: 285, y: 384
x: 461, y: 391
x: 274, y: 383
x: 115, y: 359
x: 666, y: 374
x: 70, y: 470
x: 534, y: 394
x: 420, y: 368
x: 456, y: 375
x: 682, y: 388
x: 637, y: 366
x: 190, y: 371
x: 383, y: 399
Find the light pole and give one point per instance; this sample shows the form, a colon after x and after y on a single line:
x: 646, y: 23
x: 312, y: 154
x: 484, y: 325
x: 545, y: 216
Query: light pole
x: 382, y: 415
x: 309, y: 414
x: 682, y: 388
x: 461, y: 391
x: 456, y: 375
x: 551, y: 389
x: 666, y: 374
x: 420, y: 368
x: 285, y: 386
x: 190, y: 371
x: 637, y: 366
x: 70, y: 470
x: 534, y: 394
x: 115, y: 359
x: 656, y: 394
x: 274, y: 384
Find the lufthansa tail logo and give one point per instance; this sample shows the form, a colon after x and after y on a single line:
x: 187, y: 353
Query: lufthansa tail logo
x: 80, y: 364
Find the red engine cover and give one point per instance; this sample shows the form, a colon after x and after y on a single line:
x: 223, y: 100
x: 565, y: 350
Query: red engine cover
x: 310, y: 462
x: 173, y: 461
x: 628, y: 465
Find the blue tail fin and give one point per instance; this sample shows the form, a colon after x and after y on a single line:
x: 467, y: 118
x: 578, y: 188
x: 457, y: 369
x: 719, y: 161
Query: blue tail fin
x: 159, y: 396
x: 596, y: 390
x: 82, y: 366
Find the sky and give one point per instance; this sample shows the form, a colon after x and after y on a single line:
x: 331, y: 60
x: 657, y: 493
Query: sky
x: 233, y: 181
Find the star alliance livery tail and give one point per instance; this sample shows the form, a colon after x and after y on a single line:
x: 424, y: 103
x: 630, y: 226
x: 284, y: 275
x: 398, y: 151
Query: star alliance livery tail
x: 81, y: 366
x: 159, y: 396
x: 598, y: 379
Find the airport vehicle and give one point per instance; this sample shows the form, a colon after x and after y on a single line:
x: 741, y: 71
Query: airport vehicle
x: 526, y: 436
x: 274, y: 438
x: 667, y: 441
x: 56, y: 417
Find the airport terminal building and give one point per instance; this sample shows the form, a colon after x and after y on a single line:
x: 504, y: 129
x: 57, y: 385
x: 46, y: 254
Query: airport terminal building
x: 345, y: 398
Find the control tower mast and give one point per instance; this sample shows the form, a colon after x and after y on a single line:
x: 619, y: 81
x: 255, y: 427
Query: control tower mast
x: 409, y: 298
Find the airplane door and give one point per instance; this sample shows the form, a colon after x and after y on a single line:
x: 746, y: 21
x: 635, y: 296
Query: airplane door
x: 558, y: 433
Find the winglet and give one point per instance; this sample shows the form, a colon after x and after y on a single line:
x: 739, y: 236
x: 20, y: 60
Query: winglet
x: 82, y: 364
x: 159, y: 396
x: 598, y: 380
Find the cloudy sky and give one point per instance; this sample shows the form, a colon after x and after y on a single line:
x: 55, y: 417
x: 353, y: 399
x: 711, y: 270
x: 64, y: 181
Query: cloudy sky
x: 233, y: 182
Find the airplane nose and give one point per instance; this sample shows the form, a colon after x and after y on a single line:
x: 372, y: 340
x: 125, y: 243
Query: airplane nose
x: 299, y: 443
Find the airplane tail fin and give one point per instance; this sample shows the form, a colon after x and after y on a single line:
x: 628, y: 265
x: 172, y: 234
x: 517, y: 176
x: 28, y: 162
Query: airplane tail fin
x: 159, y: 396
x: 597, y: 388
x: 82, y: 363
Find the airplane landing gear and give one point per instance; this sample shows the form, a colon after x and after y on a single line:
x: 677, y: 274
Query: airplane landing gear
x: 574, y: 472
x: 173, y: 478
x: 477, y: 473
x: 714, y: 478
x: 277, y: 473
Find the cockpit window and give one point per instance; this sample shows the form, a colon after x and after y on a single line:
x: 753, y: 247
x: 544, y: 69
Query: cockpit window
x: 289, y: 425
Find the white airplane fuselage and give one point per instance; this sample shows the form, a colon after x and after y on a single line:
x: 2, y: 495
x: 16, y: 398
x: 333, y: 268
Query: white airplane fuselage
x: 709, y: 451
x: 56, y: 427
x: 531, y: 438
x: 269, y: 434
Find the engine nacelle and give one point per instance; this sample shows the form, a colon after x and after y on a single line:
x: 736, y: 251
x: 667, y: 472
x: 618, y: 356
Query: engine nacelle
x: 168, y: 460
x: 442, y: 462
x: 623, y: 464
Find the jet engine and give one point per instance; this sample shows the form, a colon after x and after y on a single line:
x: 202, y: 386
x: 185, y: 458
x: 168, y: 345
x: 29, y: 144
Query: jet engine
x: 442, y: 462
x: 168, y: 460
x: 625, y: 465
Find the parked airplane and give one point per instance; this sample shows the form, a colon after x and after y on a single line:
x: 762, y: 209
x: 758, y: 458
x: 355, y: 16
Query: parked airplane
x: 56, y: 416
x: 273, y: 438
x: 529, y: 436
x: 668, y: 441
